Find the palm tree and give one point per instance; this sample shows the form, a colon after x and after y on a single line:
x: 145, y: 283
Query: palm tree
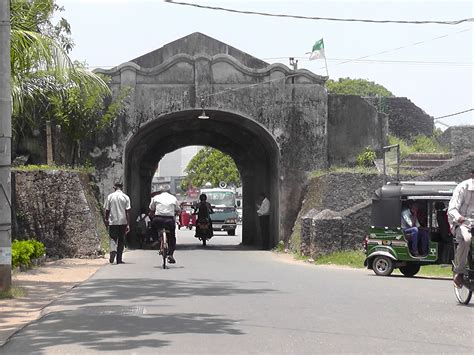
x: 40, y: 65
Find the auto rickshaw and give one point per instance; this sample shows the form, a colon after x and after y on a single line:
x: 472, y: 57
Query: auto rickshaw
x: 186, y: 218
x: 388, y: 247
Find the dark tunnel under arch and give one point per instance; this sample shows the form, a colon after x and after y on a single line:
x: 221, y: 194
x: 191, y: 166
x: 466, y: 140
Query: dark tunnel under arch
x: 253, y: 148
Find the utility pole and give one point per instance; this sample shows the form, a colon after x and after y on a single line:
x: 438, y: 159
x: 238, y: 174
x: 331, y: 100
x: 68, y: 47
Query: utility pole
x: 49, y: 144
x: 5, y: 149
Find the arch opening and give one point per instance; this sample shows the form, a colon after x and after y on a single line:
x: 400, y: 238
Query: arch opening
x: 249, y: 144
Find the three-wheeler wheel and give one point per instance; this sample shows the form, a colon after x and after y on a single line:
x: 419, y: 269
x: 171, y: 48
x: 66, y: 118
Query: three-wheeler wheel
x: 410, y: 269
x: 382, y: 265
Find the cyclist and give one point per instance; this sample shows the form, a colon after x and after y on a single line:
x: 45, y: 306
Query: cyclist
x: 461, y: 206
x: 163, y: 208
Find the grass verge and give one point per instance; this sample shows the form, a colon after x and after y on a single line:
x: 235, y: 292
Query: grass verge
x: 13, y: 292
x: 353, y: 259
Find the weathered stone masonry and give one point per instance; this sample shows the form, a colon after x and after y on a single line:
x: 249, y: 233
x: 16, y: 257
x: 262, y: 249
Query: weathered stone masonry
x: 59, y: 209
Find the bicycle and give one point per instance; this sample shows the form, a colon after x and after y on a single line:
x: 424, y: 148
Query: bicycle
x: 164, y: 247
x: 464, y: 294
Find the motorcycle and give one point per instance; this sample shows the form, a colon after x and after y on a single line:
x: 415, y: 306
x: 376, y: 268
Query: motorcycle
x: 203, y: 230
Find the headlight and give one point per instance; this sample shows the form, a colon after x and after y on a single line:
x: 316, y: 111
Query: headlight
x: 231, y: 220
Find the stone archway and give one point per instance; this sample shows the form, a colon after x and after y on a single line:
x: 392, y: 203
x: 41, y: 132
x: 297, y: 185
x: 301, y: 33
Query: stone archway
x: 272, y: 120
x: 254, y: 150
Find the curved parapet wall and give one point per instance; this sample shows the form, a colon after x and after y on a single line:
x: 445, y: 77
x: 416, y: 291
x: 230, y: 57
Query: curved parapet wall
x: 224, y: 67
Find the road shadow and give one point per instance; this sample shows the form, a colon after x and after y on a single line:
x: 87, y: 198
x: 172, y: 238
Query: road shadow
x: 113, y: 329
x: 215, y: 247
x: 84, y: 318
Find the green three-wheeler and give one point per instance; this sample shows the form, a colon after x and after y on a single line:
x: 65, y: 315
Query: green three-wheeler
x: 388, y: 247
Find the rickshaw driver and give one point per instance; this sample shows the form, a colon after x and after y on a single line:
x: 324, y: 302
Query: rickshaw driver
x: 461, y: 206
x: 163, y: 208
x: 411, y: 225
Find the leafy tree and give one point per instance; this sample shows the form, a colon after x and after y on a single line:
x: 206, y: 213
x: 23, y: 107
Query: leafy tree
x: 359, y: 87
x: 82, y: 112
x: 211, y: 165
x: 40, y: 66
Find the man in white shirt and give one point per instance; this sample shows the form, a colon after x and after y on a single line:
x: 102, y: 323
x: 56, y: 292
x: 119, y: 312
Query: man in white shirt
x: 163, y: 208
x: 263, y: 212
x: 117, y: 219
x: 461, y: 207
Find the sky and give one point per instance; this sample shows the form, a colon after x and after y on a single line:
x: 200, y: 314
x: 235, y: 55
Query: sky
x: 430, y: 64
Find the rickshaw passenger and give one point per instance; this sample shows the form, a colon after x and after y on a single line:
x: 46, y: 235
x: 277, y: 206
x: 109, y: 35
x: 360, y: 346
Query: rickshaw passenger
x: 461, y: 206
x: 411, y: 226
x: 442, y: 220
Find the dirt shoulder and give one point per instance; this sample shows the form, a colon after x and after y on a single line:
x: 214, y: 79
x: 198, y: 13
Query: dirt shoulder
x: 42, y: 286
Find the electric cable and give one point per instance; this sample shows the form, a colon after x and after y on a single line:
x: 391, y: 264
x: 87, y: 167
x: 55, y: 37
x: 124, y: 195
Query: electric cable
x: 454, y: 22
x: 403, y: 47
x: 454, y: 114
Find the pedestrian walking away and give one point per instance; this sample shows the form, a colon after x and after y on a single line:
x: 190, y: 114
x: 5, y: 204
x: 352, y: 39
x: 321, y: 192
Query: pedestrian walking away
x: 117, y: 219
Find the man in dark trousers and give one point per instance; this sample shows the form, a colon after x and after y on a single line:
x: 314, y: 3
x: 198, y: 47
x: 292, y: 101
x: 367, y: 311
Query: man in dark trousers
x: 117, y: 219
x: 461, y: 215
x: 263, y: 212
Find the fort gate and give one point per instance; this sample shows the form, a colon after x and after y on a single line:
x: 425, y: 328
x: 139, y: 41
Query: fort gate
x: 273, y: 121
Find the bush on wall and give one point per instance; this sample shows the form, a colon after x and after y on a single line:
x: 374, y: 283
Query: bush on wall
x: 23, y: 251
x: 366, y: 158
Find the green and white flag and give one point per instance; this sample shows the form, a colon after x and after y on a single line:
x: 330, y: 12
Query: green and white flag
x: 318, y: 50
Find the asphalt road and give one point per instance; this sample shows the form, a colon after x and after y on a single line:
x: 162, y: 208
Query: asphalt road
x: 228, y: 299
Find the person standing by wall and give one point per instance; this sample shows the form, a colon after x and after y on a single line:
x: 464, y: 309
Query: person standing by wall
x: 461, y: 207
x: 117, y: 219
x: 263, y: 212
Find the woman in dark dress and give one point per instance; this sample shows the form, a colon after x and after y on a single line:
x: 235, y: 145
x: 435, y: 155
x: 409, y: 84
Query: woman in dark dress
x: 204, y: 223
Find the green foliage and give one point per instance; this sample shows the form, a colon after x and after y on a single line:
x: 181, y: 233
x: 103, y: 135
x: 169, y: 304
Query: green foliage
x: 25, y: 250
x: 366, y: 158
x: 404, y: 147
x: 420, y: 144
x: 12, y: 292
x: 82, y: 111
x: 280, y: 246
x: 211, y: 165
x: 38, y: 249
x: 22, y: 250
x: 353, y: 258
x: 344, y: 169
x: 40, y: 67
x: 436, y: 270
x: 361, y: 87
x: 425, y: 144
x: 87, y: 169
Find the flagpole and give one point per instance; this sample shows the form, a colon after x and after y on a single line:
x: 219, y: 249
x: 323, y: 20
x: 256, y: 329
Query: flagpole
x: 325, y: 62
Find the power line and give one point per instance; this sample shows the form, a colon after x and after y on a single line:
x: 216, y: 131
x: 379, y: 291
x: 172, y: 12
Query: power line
x: 362, y: 59
x: 392, y: 61
x: 403, y: 47
x: 453, y: 114
x: 454, y: 22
